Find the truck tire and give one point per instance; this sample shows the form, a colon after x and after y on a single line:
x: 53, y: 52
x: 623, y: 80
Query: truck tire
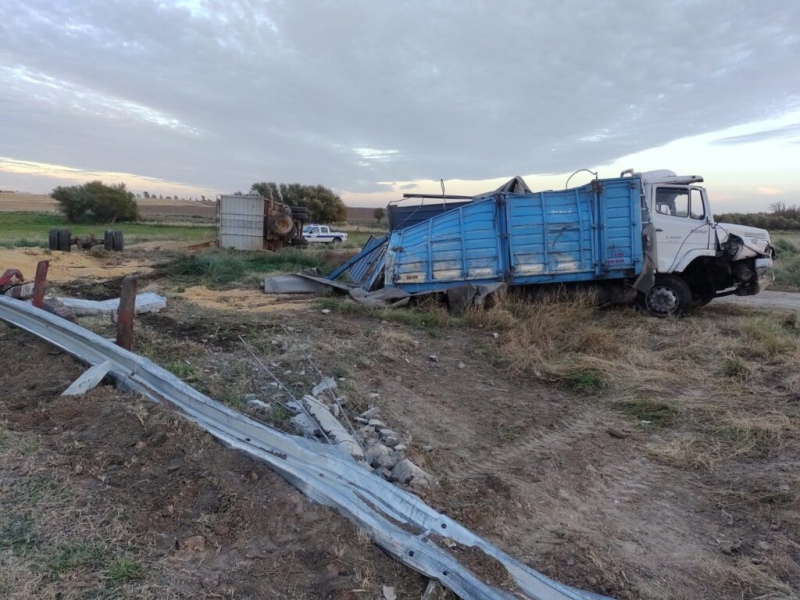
x: 336, y: 241
x: 118, y: 241
x: 52, y: 240
x: 299, y: 210
x: 64, y: 240
x: 669, y: 297
x: 301, y: 217
x: 108, y: 240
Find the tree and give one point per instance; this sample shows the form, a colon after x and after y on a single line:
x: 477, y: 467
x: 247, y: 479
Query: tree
x: 379, y: 213
x: 95, y: 202
x: 322, y: 203
x: 146, y: 194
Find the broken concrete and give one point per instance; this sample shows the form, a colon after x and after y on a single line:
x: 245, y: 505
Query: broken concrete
x: 332, y: 428
x: 407, y: 472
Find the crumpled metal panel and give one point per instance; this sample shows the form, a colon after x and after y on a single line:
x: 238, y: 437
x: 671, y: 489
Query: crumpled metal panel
x: 365, y: 268
x: 396, y: 520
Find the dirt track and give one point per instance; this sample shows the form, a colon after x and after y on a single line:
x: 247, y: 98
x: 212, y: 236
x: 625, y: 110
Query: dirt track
x: 767, y: 300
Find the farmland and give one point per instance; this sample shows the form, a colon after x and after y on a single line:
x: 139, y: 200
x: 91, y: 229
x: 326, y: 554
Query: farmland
x: 630, y: 456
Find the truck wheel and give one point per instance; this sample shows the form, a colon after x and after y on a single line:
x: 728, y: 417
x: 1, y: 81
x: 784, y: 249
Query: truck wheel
x: 119, y: 241
x: 336, y: 241
x: 108, y: 240
x: 670, y: 296
x: 64, y: 240
x: 52, y: 240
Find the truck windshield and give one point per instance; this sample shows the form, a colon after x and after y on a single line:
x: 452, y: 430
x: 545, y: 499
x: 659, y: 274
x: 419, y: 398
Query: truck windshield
x: 680, y: 202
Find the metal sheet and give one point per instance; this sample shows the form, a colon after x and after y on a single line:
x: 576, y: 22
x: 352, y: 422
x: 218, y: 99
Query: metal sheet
x: 241, y: 222
x: 324, y: 473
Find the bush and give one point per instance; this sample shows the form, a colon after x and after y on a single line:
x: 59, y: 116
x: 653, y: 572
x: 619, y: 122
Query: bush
x: 95, y: 202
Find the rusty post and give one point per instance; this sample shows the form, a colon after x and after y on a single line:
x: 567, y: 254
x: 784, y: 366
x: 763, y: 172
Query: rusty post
x: 127, y: 306
x: 39, y: 282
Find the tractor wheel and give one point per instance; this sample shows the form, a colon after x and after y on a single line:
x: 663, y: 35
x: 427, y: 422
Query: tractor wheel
x: 299, y: 209
x: 281, y: 223
x: 64, y: 240
x: 52, y: 240
x: 118, y: 241
x: 108, y: 240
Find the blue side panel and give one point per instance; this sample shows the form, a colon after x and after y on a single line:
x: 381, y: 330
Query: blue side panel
x: 401, y: 217
x: 621, y: 218
x: 580, y: 234
x: 461, y: 245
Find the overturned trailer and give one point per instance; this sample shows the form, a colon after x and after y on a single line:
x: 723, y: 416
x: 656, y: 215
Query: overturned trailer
x: 257, y: 223
x: 646, y: 237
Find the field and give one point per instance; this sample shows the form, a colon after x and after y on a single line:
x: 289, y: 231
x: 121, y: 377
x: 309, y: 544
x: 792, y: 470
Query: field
x: 626, y: 455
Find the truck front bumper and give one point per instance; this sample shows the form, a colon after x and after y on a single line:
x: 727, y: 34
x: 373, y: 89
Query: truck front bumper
x: 765, y: 273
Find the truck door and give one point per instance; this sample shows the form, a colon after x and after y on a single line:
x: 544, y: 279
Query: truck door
x: 681, y: 220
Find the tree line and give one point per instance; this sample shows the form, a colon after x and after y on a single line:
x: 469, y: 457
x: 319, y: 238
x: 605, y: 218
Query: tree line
x: 96, y: 202
x: 781, y: 217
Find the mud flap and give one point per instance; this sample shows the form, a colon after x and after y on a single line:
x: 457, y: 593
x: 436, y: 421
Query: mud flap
x: 647, y: 278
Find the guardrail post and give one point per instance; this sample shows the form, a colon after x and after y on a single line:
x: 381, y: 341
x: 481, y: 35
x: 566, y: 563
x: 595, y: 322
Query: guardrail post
x: 125, y: 313
x: 39, y: 282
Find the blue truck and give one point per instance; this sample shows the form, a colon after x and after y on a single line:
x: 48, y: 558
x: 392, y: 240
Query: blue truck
x: 645, y: 237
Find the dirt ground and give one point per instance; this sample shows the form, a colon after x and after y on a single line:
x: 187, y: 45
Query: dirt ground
x: 700, y: 499
x: 766, y: 300
x: 109, y: 496
x: 71, y: 266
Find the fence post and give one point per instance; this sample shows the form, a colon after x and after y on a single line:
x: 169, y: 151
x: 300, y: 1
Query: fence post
x: 39, y: 282
x: 126, y: 311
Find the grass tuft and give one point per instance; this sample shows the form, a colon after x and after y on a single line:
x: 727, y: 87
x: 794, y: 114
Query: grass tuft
x: 653, y: 412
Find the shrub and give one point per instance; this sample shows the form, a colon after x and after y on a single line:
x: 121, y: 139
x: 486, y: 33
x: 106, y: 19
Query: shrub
x: 95, y: 202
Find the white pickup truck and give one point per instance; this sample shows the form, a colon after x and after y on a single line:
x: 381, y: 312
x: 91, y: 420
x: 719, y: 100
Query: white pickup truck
x: 323, y: 234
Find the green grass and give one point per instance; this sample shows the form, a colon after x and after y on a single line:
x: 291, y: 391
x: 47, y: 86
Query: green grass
x: 32, y: 229
x: 221, y: 268
x: 657, y: 414
x: 122, y: 571
x: 787, y: 262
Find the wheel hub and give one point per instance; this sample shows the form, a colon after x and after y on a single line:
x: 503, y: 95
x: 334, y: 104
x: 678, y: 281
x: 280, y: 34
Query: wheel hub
x: 662, y: 300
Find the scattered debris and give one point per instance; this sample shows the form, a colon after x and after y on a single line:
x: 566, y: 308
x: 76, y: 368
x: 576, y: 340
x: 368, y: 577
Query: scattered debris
x: 89, y: 380
x: 389, y: 593
x: 327, y: 384
x: 147, y: 302
x: 432, y: 591
x: 616, y: 433
x: 407, y: 472
x: 331, y: 426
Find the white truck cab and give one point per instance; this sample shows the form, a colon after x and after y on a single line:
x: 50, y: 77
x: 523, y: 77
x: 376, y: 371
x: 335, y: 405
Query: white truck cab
x: 692, y: 259
x: 323, y: 234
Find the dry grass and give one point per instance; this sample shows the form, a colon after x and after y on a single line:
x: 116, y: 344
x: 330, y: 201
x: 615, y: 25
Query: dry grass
x: 705, y: 377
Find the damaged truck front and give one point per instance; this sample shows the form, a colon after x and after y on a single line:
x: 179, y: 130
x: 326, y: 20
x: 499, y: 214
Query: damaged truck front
x: 645, y: 237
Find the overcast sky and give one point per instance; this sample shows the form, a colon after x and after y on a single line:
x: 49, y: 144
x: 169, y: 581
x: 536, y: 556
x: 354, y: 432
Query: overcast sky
x: 373, y: 98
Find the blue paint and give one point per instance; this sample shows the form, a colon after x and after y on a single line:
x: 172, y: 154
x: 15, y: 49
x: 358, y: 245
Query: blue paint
x: 581, y: 234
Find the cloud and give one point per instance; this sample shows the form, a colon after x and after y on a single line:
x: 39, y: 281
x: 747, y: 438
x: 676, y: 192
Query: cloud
x: 789, y: 131
x: 218, y: 94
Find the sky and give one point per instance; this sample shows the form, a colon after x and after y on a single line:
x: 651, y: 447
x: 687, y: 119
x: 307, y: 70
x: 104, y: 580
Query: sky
x: 375, y: 99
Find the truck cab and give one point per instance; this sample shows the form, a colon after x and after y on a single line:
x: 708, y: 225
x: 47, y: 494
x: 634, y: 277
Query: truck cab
x: 696, y: 259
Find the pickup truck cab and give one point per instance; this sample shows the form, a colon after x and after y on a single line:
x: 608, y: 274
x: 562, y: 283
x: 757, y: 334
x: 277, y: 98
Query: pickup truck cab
x: 323, y: 234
